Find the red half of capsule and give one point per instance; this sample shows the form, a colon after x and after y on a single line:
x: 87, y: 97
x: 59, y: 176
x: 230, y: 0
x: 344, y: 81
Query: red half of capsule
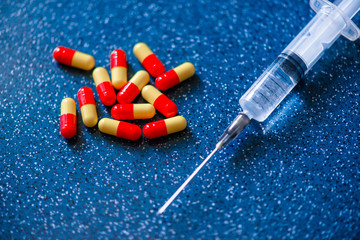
x: 68, y: 125
x: 153, y: 65
x: 155, y: 129
x: 128, y: 93
x: 164, y: 105
x: 128, y: 131
x: 86, y: 96
x: 106, y: 93
x: 123, y: 111
x: 64, y: 55
x: 167, y: 80
x: 118, y: 58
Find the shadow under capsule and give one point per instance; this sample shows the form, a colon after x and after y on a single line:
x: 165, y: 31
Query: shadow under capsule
x: 183, y: 87
x: 75, y: 71
x: 122, y: 141
x: 130, y: 71
x: 182, y: 137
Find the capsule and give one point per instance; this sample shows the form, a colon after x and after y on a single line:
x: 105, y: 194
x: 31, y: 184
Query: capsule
x: 131, y: 111
x: 74, y: 58
x: 120, y: 129
x: 118, y: 68
x: 162, y: 103
x: 164, y: 127
x: 104, y: 87
x: 148, y: 59
x: 175, y: 76
x: 68, y: 118
x: 129, y: 92
x: 87, y: 106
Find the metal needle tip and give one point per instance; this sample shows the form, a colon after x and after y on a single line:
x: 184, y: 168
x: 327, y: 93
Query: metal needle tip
x: 171, y: 199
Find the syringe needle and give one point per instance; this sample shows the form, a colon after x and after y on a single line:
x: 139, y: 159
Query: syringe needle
x: 171, y: 199
x: 239, y: 123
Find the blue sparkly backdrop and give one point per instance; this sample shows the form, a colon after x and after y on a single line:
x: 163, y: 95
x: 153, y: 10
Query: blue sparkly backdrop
x: 294, y: 176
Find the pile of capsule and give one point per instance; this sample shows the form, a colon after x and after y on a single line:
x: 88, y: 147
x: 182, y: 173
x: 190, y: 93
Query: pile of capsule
x: 127, y: 92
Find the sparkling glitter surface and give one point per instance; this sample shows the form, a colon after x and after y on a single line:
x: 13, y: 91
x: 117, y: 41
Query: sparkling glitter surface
x: 295, y: 176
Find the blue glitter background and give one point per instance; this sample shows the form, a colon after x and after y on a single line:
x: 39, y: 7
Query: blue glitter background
x: 295, y: 176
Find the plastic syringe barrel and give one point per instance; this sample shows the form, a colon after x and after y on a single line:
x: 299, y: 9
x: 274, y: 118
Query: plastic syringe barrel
x: 272, y: 86
x: 323, y: 30
x: 299, y: 56
x: 348, y: 7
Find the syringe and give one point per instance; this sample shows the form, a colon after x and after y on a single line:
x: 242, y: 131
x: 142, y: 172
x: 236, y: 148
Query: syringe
x: 331, y: 21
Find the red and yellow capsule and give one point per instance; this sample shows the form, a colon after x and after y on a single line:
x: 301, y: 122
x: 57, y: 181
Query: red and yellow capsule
x: 118, y: 68
x: 129, y: 92
x: 131, y: 111
x: 164, y: 127
x: 148, y: 59
x: 103, y: 86
x: 120, y: 129
x: 175, y: 76
x: 74, y: 58
x: 162, y: 103
x: 87, y: 106
x: 68, y: 118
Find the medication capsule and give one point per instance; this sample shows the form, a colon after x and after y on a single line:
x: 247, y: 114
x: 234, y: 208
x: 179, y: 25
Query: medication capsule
x: 162, y: 103
x: 68, y: 118
x: 87, y: 106
x: 129, y: 92
x: 104, y: 87
x: 131, y: 111
x: 164, y: 127
x: 148, y: 59
x: 175, y: 76
x: 74, y: 58
x: 120, y: 129
x: 118, y: 68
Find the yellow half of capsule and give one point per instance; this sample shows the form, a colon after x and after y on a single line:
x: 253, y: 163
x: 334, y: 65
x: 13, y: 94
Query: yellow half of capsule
x: 143, y: 111
x: 185, y: 71
x: 175, y: 124
x: 140, y: 79
x: 108, y: 126
x: 118, y: 77
x: 150, y: 93
x: 68, y: 106
x: 100, y: 75
x: 141, y: 51
x: 89, y: 115
x: 83, y: 61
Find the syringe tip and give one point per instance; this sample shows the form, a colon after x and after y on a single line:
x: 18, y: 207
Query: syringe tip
x: 239, y: 123
x: 171, y: 199
x: 162, y: 209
